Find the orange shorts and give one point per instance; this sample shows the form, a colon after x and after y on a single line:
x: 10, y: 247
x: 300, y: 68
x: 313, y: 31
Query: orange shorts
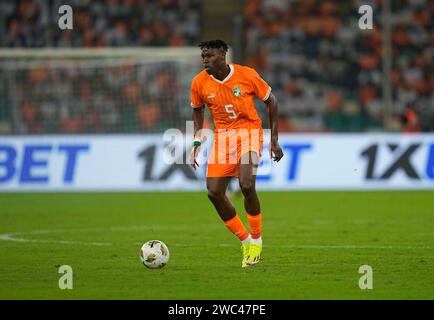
x: 228, y: 148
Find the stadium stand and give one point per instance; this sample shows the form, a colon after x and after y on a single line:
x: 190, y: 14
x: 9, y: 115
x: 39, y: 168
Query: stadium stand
x: 87, y: 93
x: 101, y: 23
x: 325, y: 71
x: 95, y: 96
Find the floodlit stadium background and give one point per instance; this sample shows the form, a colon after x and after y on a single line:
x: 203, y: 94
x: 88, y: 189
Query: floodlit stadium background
x: 83, y: 176
x: 126, y: 68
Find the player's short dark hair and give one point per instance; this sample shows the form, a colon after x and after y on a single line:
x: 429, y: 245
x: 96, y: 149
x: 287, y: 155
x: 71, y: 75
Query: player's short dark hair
x: 214, y: 44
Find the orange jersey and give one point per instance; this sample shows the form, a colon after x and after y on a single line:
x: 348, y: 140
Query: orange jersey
x: 231, y: 101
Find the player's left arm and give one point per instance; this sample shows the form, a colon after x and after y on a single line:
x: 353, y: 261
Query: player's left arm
x: 272, y: 109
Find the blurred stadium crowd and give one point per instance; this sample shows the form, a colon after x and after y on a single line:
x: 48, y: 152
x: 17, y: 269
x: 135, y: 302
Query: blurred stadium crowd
x: 325, y: 71
x: 101, y: 23
x: 104, y: 98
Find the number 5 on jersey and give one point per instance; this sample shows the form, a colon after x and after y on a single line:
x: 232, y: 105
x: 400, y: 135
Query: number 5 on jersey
x: 231, y: 111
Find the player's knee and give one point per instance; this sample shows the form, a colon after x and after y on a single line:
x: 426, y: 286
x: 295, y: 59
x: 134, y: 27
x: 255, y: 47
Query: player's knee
x: 215, y: 194
x: 247, y: 187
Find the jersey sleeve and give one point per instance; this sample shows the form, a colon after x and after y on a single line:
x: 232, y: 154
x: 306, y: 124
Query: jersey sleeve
x: 260, y: 87
x: 196, y: 99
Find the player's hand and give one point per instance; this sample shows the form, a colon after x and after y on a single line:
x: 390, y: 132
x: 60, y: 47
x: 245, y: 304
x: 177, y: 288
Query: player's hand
x: 276, y: 152
x: 193, y: 156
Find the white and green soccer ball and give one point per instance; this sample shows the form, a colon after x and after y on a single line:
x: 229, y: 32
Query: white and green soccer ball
x: 154, y: 254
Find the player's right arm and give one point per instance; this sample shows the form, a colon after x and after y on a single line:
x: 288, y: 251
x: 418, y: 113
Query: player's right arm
x: 198, y: 117
x: 263, y: 91
x: 276, y: 152
x: 198, y: 106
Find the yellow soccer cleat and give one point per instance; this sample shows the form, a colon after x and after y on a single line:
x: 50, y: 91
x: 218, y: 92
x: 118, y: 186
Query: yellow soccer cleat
x: 254, y: 254
x: 245, y: 250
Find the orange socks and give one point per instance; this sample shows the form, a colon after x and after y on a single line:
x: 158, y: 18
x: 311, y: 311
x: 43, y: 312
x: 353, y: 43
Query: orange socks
x: 255, y: 225
x: 236, y: 226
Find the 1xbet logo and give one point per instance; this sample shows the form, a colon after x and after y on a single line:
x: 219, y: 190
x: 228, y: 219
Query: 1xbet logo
x: 398, y: 158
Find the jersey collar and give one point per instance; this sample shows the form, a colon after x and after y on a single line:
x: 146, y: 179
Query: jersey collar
x: 228, y: 76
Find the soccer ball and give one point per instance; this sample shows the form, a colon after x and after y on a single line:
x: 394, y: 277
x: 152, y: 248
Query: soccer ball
x: 154, y: 254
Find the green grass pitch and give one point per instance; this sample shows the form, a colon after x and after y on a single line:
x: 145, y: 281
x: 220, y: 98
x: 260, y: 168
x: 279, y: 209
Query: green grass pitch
x: 314, y: 244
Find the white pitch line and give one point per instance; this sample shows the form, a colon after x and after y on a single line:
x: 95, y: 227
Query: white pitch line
x: 18, y: 237
x: 304, y: 246
x: 313, y: 246
x: 12, y: 237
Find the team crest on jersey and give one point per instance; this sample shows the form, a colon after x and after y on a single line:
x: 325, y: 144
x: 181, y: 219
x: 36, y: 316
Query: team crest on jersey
x: 237, y: 92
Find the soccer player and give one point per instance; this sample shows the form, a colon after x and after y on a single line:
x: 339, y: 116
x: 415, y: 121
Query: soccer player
x: 228, y: 90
